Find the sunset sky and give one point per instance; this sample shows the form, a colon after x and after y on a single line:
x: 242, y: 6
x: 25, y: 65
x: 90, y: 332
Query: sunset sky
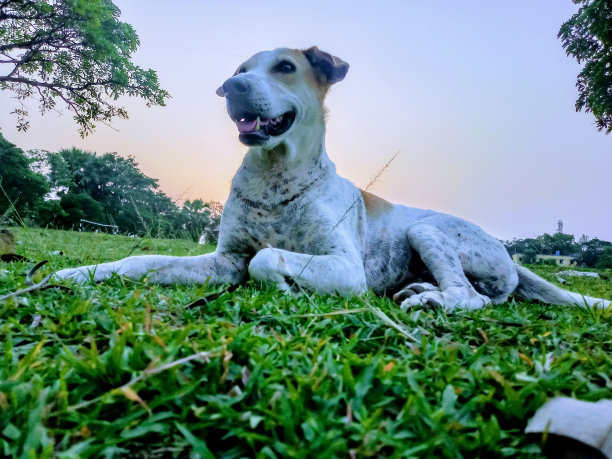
x: 477, y: 97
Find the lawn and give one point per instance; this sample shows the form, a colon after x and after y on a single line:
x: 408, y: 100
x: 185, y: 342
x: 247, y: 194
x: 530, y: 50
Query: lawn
x: 132, y: 369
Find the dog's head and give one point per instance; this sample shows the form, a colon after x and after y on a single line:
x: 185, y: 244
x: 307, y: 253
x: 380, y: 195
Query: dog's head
x: 274, y: 92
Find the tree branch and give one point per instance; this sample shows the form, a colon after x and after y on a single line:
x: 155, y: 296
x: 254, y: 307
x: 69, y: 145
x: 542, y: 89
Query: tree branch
x: 55, y: 86
x: 44, y: 37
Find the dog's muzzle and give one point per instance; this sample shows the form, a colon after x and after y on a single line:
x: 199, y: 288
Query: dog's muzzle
x: 251, y: 113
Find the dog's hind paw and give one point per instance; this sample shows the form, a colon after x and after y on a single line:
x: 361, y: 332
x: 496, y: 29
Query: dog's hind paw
x: 449, y: 299
x: 414, y: 289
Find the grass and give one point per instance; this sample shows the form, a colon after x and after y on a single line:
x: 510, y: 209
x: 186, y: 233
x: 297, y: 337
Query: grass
x: 133, y: 369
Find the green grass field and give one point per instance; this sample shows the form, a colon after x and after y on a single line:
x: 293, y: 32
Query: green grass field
x: 130, y: 369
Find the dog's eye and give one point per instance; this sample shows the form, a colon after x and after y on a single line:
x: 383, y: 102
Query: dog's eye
x: 240, y: 70
x: 284, y: 67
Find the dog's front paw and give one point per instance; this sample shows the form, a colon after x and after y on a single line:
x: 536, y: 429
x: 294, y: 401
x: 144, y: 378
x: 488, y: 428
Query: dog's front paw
x: 449, y: 299
x: 83, y: 274
x: 269, y: 265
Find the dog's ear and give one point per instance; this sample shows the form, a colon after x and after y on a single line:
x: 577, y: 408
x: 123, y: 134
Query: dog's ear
x: 220, y: 92
x: 329, y: 69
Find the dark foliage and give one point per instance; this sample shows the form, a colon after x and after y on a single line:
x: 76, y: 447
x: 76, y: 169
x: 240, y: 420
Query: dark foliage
x: 605, y: 260
x: 20, y: 186
x: 107, y: 189
x: 587, y: 36
x: 110, y: 189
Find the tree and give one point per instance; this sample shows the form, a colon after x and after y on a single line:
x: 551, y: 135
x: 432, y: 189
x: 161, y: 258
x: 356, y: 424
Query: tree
x: 565, y: 244
x: 128, y: 198
x: 529, y: 256
x: 211, y: 234
x: 73, y: 51
x: 522, y: 245
x: 50, y: 214
x: 79, y: 206
x: 196, y: 218
x: 550, y: 244
x: 588, y: 251
x: 587, y: 36
x: 21, y: 188
x: 605, y: 261
x: 591, y: 251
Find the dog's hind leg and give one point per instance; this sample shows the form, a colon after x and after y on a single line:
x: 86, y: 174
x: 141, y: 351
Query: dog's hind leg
x: 441, y: 259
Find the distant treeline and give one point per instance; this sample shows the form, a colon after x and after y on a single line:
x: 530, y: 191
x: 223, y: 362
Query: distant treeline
x: 592, y: 253
x: 59, y: 190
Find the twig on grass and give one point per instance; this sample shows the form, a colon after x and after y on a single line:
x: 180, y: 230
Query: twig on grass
x: 42, y: 285
x: 153, y: 371
x: 332, y: 313
x: 313, y: 315
x: 386, y: 319
x: 212, y: 296
x: 369, y: 308
x: 31, y: 288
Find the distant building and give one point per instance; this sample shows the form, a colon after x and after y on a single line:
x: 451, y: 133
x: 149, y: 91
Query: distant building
x: 560, y: 260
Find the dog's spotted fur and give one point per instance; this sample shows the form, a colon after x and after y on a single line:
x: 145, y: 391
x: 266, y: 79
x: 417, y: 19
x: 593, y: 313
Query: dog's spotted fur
x: 290, y: 219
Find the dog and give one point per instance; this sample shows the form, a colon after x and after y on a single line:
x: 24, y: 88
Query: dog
x: 291, y: 220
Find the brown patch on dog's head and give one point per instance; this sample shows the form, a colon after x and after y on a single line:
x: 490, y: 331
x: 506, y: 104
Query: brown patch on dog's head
x: 374, y: 205
x: 306, y: 72
x: 328, y: 69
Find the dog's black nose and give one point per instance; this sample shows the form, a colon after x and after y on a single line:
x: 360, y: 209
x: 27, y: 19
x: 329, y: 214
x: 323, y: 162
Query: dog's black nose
x: 236, y: 85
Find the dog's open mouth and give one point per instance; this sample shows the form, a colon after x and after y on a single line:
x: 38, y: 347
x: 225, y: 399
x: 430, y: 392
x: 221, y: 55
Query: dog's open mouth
x: 255, y: 130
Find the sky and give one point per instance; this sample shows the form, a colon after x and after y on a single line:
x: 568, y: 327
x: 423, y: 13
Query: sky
x: 477, y: 97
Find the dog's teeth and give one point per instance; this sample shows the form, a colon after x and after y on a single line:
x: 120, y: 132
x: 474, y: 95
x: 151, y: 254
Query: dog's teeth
x: 257, y: 125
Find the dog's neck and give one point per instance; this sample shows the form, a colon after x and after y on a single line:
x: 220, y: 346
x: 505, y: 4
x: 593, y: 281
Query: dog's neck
x: 274, y: 175
x: 301, y: 152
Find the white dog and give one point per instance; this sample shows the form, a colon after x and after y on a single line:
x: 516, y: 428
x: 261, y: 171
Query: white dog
x: 291, y: 220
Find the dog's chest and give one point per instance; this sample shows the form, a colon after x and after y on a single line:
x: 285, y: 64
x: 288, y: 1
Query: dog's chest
x: 276, y: 215
x: 291, y: 228
x: 267, y: 229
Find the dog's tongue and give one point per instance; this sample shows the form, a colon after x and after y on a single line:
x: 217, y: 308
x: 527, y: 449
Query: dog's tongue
x: 245, y: 126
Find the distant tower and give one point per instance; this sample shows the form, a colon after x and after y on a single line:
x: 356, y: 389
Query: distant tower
x: 560, y: 226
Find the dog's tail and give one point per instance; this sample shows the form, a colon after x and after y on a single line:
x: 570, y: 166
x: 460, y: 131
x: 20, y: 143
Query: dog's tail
x: 532, y: 287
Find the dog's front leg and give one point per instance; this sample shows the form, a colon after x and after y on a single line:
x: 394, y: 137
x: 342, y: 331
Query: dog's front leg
x: 160, y: 269
x: 316, y: 273
x: 441, y: 259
